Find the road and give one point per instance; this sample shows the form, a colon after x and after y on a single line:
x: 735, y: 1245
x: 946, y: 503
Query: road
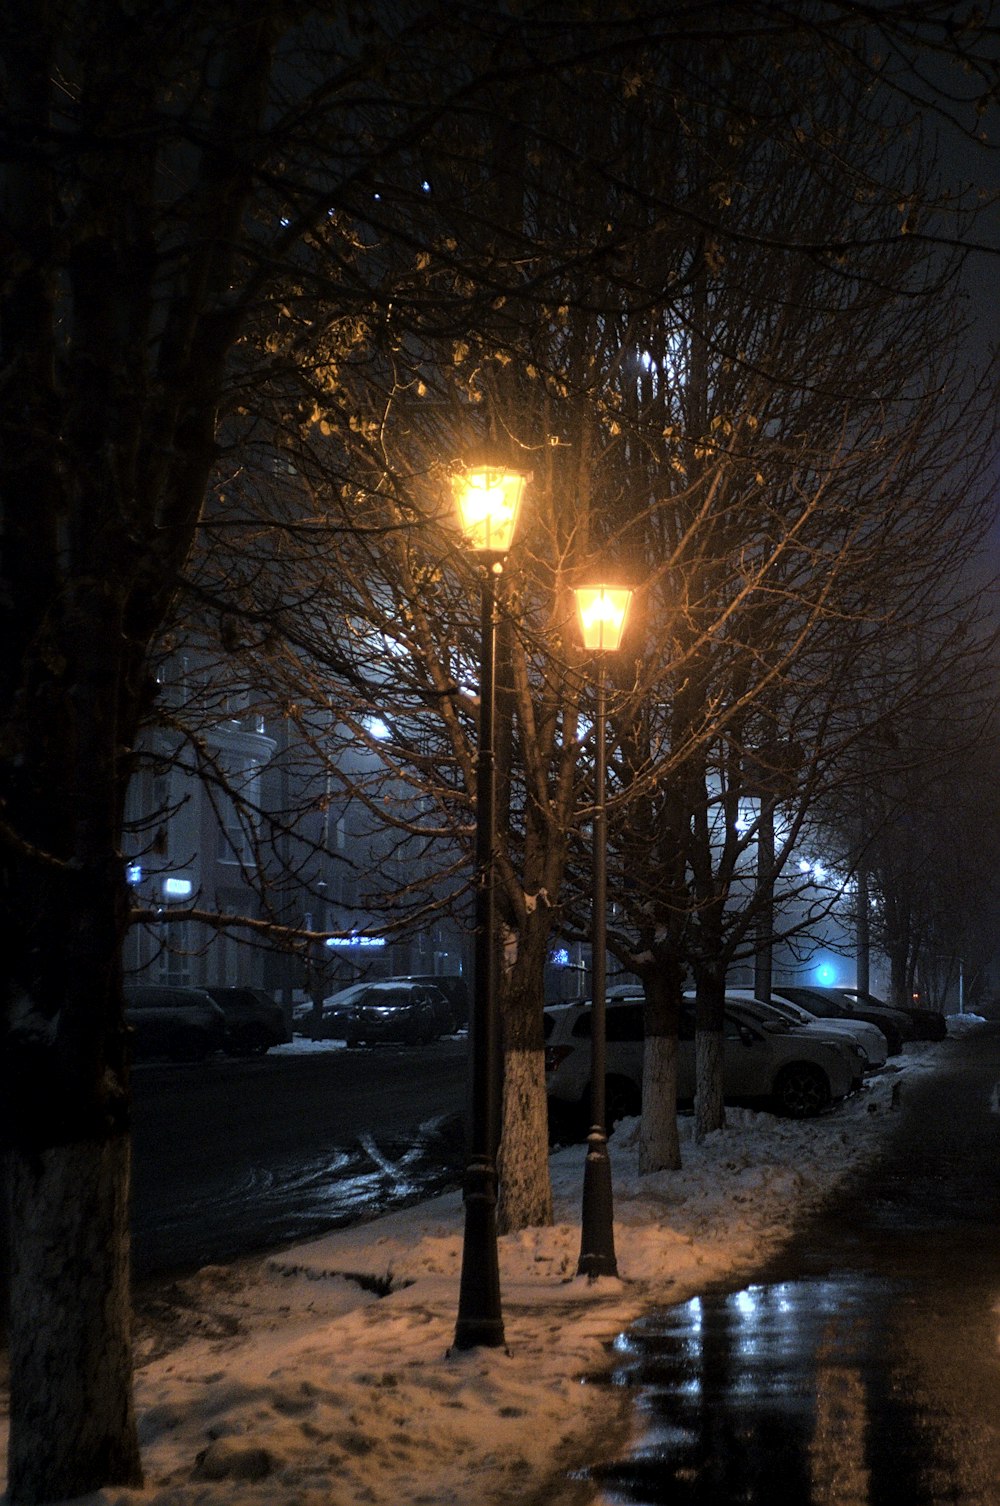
x: 863, y: 1367
x: 232, y: 1156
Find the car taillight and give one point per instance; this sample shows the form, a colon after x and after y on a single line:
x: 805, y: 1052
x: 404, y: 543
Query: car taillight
x: 554, y: 1056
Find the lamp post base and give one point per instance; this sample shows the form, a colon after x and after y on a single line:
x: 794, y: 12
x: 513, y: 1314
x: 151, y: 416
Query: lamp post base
x: 597, y: 1244
x: 480, y: 1317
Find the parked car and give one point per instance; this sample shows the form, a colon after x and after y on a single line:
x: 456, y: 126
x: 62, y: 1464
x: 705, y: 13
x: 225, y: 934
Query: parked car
x: 455, y: 991
x: 184, y: 1024
x: 254, y: 1022
x: 387, y: 1010
x: 767, y: 1017
x: 830, y: 1003
x: 929, y: 1023
x: 785, y: 1070
x: 869, y: 1037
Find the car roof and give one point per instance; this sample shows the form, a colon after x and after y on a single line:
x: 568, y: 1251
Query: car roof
x: 167, y: 993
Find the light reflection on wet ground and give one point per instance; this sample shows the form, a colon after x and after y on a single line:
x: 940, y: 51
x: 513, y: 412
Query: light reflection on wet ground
x: 864, y: 1368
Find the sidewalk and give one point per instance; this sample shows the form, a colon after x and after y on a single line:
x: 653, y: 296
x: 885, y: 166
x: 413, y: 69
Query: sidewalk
x: 321, y: 1376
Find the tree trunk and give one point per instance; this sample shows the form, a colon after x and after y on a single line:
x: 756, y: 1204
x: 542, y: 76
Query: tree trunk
x: 64, y: 1083
x: 710, y: 1112
x: 897, y: 974
x: 70, y: 1322
x: 525, y: 1190
x: 659, y: 1142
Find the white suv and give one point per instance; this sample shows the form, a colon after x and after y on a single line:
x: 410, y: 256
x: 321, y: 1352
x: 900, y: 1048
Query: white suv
x: 871, y: 1040
x: 784, y: 1068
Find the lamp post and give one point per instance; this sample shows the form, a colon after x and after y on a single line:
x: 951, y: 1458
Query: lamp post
x: 488, y: 499
x: 862, y: 977
x: 602, y: 611
x: 763, y: 966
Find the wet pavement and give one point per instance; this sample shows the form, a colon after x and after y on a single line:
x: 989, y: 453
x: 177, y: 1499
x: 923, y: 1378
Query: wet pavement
x: 863, y: 1367
x: 233, y: 1156
x: 276, y: 1203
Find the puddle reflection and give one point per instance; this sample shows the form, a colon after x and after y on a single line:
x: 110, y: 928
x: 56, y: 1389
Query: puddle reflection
x: 809, y: 1393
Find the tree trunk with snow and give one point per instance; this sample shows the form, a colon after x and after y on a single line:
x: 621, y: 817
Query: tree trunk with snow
x: 117, y: 315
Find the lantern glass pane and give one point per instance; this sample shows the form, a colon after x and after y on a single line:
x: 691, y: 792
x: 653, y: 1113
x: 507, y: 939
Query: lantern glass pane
x: 488, y: 501
x: 602, y: 611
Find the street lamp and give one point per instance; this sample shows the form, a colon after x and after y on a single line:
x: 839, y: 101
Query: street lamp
x: 602, y: 611
x: 488, y: 498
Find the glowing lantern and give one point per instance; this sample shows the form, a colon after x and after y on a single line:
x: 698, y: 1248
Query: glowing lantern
x: 488, y: 499
x: 602, y: 611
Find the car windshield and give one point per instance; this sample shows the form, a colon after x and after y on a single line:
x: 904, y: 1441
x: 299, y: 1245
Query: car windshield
x: 817, y: 1004
x: 762, y: 1017
x: 347, y: 995
x: 791, y: 1012
x: 390, y: 998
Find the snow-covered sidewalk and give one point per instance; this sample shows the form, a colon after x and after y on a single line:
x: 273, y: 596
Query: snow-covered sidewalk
x: 322, y: 1376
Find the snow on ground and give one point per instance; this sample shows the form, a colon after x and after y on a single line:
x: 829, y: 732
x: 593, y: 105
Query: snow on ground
x: 323, y: 1375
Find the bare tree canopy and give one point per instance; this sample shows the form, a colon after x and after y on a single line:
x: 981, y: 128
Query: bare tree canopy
x: 225, y: 225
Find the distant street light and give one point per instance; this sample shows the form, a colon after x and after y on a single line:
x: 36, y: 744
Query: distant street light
x: 602, y: 611
x: 488, y: 499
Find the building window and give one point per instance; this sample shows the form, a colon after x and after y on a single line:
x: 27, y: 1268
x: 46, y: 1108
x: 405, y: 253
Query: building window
x: 174, y: 965
x: 237, y: 831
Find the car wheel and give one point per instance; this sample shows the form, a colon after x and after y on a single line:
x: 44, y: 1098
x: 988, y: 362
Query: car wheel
x: 622, y: 1100
x: 255, y: 1041
x: 801, y: 1090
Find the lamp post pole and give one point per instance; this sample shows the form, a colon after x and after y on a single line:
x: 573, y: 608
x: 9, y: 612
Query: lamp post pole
x: 602, y: 610
x: 863, y: 936
x: 763, y: 968
x: 480, y: 1318
x: 488, y: 497
x: 597, y: 1234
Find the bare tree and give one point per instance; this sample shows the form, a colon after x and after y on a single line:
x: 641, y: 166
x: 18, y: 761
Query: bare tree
x: 737, y: 430
x: 164, y: 172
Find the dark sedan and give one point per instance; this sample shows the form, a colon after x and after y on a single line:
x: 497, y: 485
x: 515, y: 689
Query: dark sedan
x: 183, y: 1024
x: 454, y: 996
x: 369, y: 1013
x: 254, y: 1022
x: 930, y: 1024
